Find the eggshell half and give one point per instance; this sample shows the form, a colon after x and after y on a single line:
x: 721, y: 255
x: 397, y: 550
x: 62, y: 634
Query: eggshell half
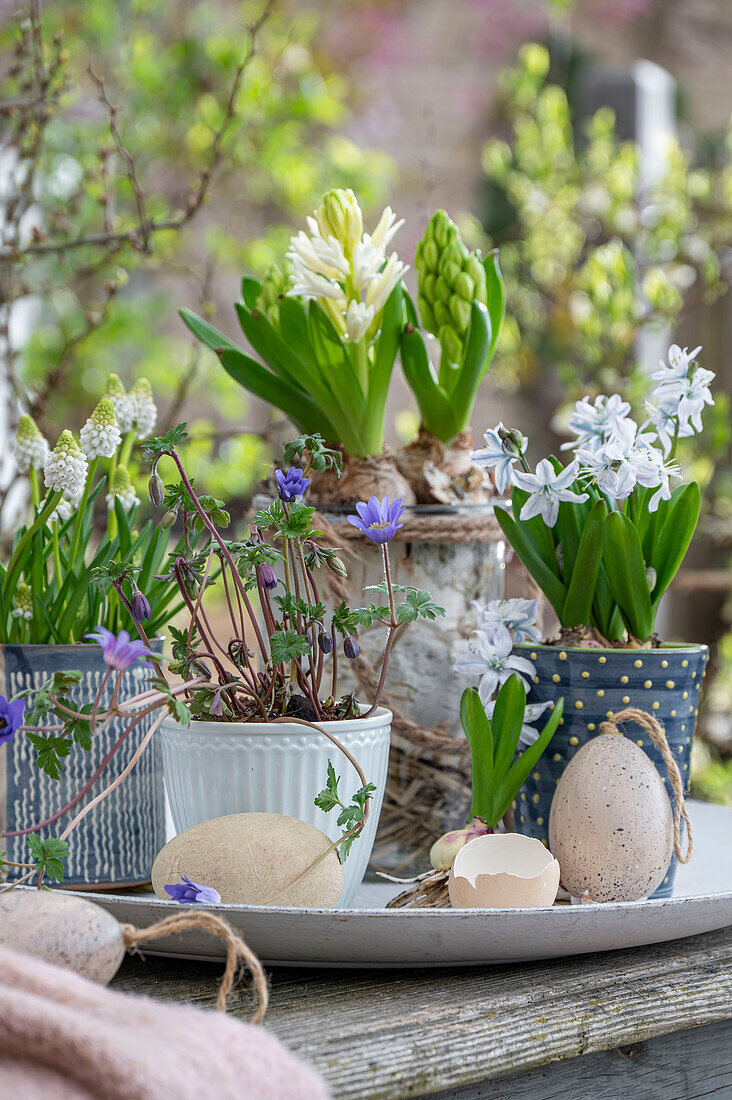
x: 611, y: 825
x: 503, y: 871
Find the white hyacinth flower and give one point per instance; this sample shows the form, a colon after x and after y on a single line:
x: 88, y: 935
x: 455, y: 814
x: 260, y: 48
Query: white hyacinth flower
x: 145, y: 411
x: 122, y: 489
x: 100, y: 436
x: 344, y: 269
x: 66, y: 468
x: 63, y: 511
x: 29, y: 448
x: 123, y: 408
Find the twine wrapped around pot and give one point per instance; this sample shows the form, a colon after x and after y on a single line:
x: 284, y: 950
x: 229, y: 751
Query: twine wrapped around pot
x: 429, y: 767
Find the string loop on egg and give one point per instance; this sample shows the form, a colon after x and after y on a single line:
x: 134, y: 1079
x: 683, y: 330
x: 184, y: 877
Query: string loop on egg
x: 657, y: 734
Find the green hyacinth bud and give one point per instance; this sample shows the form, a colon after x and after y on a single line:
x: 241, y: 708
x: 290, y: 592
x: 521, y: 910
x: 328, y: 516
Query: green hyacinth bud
x: 339, y: 216
x: 274, y: 285
x: 450, y: 278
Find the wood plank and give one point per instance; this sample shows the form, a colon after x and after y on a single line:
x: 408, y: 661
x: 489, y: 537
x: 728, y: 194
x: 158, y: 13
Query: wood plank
x: 412, y: 1033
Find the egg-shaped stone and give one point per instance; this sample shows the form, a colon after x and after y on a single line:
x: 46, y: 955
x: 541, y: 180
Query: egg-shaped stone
x: 254, y: 859
x: 64, y: 929
x: 611, y: 823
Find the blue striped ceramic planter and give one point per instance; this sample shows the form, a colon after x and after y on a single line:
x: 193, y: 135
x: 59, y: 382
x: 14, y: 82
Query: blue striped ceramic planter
x: 118, y: 841
x: 596, y: 683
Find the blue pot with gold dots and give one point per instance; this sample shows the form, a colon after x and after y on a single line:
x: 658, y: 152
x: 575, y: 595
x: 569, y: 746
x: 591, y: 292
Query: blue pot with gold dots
x: 596, y: 683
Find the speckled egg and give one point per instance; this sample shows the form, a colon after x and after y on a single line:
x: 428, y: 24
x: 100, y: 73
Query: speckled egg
x: 611, y: 824
x: 63, y: 929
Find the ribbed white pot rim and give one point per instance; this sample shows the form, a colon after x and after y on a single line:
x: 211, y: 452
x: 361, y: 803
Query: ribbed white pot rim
x: 380, y: 718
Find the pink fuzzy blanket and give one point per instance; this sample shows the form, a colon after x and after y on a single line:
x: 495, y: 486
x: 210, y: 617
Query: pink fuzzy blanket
x: 65, y: 1038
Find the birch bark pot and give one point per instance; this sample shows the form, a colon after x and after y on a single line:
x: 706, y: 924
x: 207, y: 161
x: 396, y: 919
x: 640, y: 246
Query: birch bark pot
x: 117, y: 842
x: 458, y: 554
x: 595, y: 684
x: 217, y: 768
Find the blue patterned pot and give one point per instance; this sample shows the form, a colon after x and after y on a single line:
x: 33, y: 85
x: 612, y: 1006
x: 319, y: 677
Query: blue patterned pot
x: 596, y: 683
x: 118, y: 841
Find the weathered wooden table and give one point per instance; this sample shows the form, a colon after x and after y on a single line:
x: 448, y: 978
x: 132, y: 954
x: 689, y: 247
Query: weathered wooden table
x: 653, y: 1022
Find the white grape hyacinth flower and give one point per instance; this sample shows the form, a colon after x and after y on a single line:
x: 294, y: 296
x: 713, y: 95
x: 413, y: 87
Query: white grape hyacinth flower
x: 66, y: 468
x: 63, y: 511
x: 100, y: 435
x: 23, y: 604
x: 123, y: 407
x: 29, y: 448
x: 144, y: 409
x: 122, y: 489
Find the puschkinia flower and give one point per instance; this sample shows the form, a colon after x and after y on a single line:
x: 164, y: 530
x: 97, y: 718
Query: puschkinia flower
x: 123, y: 406
x: 491, y: 662
x: 122, y: 489
x: 117, y: 649
x: 593, y: 422
x: 664, y: 418
x: 23, y: 608
x: 346, y: 270
x: 11, y: 718
x: 187, y: 891
x: 378, y: 519
x: 100, y: 436
x: 292, y: 484
x: 144, y: 409
x: 688, y: 396
x: 680, y: 359
x: 66, y: 467
x: 547, y: 489
x: 498, y: 455
x: 29, y: 448
x: 518, y: 615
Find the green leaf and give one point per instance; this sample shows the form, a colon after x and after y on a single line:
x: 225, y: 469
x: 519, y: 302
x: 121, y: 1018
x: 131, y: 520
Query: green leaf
x: 522, y: 542
x: 294, y: 403
x: 250, y: 290
x: 517, y: 774
x: 478, y: 731
x: 50, y: 749
x: 288, y: 645
x: 474, y: 365
x: 329, y: 798
x: 506, y: 723
x: 419, y: 605
x: 434, y: 404
x: 676, y: 534
x: 495, y: 298
x: 581, y: 592
x: 49, y: 855
x: 623, y: 560
x: 205, y: 332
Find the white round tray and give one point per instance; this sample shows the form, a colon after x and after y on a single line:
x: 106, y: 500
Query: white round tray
x: 368, y: 935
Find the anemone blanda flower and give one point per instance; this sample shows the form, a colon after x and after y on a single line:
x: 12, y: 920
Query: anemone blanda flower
x: 188, y: 891
x: 518, y: 615
x: 292, y: 483
x: 378, y: 519
x: 11, y: 718
x: 494, y: 455
x: 491, y: 662
x: 141, y: 610
x: 118, y: 651
x: 546, y: 488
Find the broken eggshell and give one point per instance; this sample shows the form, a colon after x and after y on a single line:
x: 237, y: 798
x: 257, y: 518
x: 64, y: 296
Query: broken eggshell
x: 503, y: 871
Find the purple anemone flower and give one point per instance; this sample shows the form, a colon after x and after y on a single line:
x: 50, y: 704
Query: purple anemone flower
x: 117, y: 649
x: 379, y: 519
x: 267, y: 576
x: 140, y: 604
x: 351, y: 648
x: 11, y: 718
x: 292, y: 483
x: 188, y: 891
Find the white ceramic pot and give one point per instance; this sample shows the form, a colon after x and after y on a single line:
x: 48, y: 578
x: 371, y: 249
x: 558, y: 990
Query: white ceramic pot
x: 217, y: 768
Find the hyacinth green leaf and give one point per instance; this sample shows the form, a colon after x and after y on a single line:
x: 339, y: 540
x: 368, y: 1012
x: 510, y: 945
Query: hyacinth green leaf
x: 623, y: 559
x: 508, y: 718
x: 434, y: 405
x: 269, y: 345
x: 409, y: 308
x: 678, y: 531
x: 387, y: 344
x: 474, y: 364
x: 522, y: 541
x: 297, y: 405
x: 585, y: 570
x: 517, y: 774
x: 205, y: 332
x: 296, y: 331
x: 477, y: 728
x: 250, y: 290
x: 495, y: 297
x: 124, y: 535
x: 542, y: 535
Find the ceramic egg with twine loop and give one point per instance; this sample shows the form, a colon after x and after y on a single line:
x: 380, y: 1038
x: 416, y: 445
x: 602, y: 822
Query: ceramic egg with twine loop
x: 611, y: 826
